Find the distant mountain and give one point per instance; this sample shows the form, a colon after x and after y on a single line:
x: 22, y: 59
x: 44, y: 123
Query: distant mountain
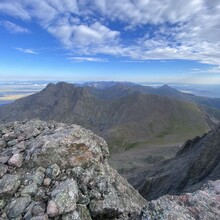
x: 125, y: 114
x: 196, y: 162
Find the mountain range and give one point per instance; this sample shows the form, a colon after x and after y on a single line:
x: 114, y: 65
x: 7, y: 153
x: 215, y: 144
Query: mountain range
x: 125, y: 114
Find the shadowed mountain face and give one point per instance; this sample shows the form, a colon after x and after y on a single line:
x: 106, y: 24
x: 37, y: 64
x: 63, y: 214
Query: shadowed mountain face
x: 196, y: 162
x: 121, y: 113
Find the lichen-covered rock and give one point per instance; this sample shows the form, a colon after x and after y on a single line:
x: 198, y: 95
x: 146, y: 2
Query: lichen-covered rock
x: 3, y: 144
x: 53, y: 171
x: 81, y: 213
x: 203, y: 204
x: 9, y: 184
x: 63, y: 173
x: 3, y: 170
x: 65, y: 196
x: 17, y: 207
x: 30, y: 190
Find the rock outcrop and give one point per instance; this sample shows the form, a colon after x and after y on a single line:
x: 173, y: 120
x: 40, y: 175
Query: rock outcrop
x: 197, y: 162
x: 201, y: 205
x: 51, y: 170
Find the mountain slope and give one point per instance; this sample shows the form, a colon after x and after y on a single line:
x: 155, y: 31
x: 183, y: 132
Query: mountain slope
x: 129, y: 121
x: 195, y: 163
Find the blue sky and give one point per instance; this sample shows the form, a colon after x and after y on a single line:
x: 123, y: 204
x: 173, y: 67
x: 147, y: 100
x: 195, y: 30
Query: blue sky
x: 142, y: 41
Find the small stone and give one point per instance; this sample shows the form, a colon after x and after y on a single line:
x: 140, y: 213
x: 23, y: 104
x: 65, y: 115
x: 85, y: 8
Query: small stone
x: 38, y: 209
x: 9, y: 136
x: 52, y: 209
x: 2, y: 204
x: 12, y: 142
x: 16, y: 160
x: 30, y: 190
x: 9, y: 185
x: 4, y: 158
x: 83, y: 199
x: 41, y: 169
x: 17, y: 207
x: 3, y: 170
x: 47, y: 181
x: 94, y: 194
x: 21, y: 145
x: 40, y: 195
x: 53, y: 171
x: 2, y: 144
x: 38, y: 178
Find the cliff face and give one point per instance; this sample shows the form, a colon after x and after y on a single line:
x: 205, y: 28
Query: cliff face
x: 196, y: 162
x: 50, y: 170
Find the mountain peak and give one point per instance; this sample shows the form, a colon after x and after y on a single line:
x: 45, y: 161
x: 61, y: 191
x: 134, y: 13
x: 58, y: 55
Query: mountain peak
x: 165, y: 86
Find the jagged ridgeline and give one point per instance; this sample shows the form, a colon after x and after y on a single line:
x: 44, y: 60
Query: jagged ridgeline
x: 194, y: 164
x: 125, y: 114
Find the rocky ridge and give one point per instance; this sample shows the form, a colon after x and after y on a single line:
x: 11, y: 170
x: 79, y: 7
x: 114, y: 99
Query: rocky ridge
x: 203, y: 204
x: 197, y: 162
x: 49, y: 170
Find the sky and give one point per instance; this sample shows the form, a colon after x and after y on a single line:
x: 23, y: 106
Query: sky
x: 166, y: 41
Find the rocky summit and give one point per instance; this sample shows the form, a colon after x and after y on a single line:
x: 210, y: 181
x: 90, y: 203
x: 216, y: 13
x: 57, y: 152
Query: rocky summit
x: 49, y: 170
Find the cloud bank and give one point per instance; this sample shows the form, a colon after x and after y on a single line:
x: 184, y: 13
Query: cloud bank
x: 138, y: 30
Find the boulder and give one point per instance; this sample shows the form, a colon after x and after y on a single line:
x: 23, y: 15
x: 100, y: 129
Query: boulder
x: 62, y: 172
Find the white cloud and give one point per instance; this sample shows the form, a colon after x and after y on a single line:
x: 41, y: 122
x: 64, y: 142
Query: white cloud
x: 26, y: 50
x: 87, y: 59
x: 14, y: 8
x: 78, y: 36
x: 13, y: 28
x: 160, y: 29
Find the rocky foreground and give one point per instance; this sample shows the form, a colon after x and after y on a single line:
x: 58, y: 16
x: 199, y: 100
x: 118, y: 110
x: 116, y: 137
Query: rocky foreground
x: 50, y: 170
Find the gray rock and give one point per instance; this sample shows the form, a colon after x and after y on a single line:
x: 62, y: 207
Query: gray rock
x: 9, y: 136
x: 81, y: 213
x: 9, y: 185
x: 53, y: 171
x: 52, y: 209
x: 41, y: 217
x: 3, y: 144
x: 47, y: 181
x: 65, y: 196
x: 87, y: 188
x: 38, y: 178
x: 16, y: 160
x: 17, y: 207
x: 12, y: 143
x: 3, y: 170
x: 2, y: 204
x: 202, y: 204
x: 4, y: 158
x: 30, y: 189
x: 39, y: 209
